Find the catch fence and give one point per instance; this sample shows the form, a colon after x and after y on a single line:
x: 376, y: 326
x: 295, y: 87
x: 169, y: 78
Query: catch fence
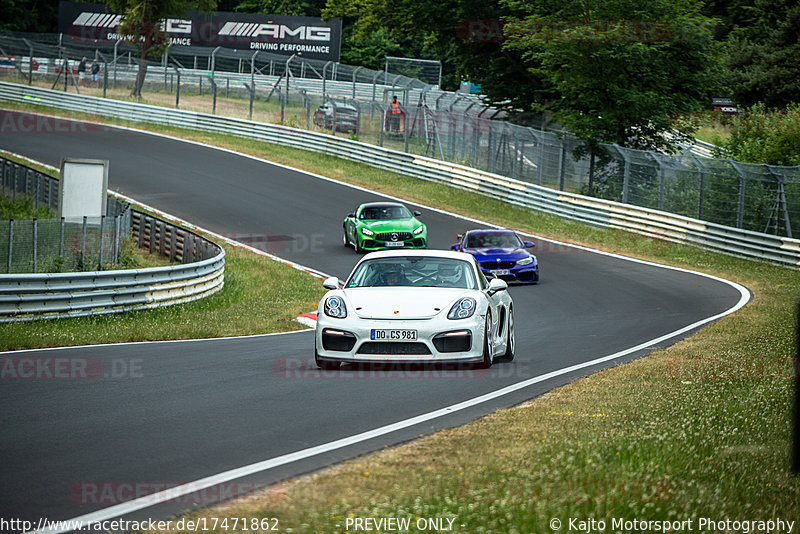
x: 453, y: 127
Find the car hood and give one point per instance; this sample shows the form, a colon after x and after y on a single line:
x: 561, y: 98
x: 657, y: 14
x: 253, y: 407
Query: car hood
x: 395, y: 225
x: 503, y: 254
x: 402, y: 302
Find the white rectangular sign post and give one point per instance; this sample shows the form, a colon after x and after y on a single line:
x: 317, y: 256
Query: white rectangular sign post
x: 83, y: 187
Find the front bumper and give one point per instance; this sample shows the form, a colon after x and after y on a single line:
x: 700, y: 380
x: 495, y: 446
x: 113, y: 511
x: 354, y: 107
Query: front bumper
x: 370, y: 244
x: 525, y: 273
x: 438, y: 340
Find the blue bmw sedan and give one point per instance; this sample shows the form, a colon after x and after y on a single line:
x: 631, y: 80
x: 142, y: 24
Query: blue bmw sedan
x: 501, y: 254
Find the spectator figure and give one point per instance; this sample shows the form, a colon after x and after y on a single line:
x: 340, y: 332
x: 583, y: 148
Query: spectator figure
x: 396, y: 112
x: 95, y: 73
x: 81, y: 71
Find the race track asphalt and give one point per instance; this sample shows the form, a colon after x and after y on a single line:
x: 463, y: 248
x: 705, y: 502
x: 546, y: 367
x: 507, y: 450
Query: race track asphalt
x: 163, y: 414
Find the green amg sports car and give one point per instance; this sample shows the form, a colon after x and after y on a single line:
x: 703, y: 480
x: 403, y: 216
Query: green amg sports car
x: 384, y: 225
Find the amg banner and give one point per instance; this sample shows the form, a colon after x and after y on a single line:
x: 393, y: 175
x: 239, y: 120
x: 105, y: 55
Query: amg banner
x: 310, y: 37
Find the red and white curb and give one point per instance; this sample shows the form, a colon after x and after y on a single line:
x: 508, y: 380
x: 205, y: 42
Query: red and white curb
x: 308, y: 319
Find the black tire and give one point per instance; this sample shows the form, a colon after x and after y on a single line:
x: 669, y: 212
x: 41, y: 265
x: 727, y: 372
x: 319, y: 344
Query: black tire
x: 511, y: 340
x: 357, y: 246
x: 344, y: 237
x: 487, y: 351
x: 324, y: 364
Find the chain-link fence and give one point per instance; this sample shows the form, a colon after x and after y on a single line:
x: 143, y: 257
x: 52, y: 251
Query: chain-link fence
x: 455, y: 127
x: 55, y: 245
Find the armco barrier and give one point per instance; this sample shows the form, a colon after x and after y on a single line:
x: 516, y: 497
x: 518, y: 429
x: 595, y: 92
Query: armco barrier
x: 25, y: 297
x: 594, y: 211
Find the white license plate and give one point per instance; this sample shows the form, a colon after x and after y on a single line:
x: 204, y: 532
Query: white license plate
x: 393, y: 335
x: 500, y: 272
x: 395, y: 243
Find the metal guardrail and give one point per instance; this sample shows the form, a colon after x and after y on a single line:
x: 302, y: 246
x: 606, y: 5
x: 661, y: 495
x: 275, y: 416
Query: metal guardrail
x: 26, y: 297
x: 591, y: 210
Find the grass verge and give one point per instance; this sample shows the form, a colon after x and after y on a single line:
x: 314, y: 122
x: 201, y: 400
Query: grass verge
x: 699, y: 431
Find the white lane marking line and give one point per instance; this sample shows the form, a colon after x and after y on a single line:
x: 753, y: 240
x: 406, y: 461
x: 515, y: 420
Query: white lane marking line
x: 227, y: 476
x: 123, y: 343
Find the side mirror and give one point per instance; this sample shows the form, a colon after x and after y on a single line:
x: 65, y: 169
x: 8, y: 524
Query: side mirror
x: 332, y: 283
x: 351, y: 214
x: 529, y: 244
x: 417, y: 213
x: 455, y: 246
x: 495, y: 285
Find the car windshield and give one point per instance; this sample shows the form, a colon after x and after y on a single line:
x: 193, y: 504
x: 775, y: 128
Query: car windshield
x: 493, y: 240
x: 413, y: 271
x: 377, y: 213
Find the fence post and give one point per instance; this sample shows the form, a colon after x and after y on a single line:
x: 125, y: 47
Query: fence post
x: 115, y: 244
x: 35, y: 245
x: 10, y: 244
x: 562, y: 156
x: 626, y: 174
x: 782, y: 201
x: 102, y: 235
x: 153, y: 231
x: 61, y: 240
x: 742, y: 186
x: 83, y: 241
x: 178, y: 89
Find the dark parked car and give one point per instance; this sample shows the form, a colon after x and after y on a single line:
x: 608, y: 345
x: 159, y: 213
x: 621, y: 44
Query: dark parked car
x: 343, y: 117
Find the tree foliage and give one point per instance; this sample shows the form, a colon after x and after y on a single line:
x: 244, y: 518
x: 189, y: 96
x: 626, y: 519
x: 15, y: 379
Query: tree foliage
x: 762, y: 136
x: 465, y: 35
x: 301, y: 8
x: 28, y: 15
x: 763, y: 58
x: 623, y: 69
x: 141, y: 24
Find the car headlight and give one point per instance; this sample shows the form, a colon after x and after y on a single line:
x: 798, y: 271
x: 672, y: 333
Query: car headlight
x: 334, y: 307
x: 367, y: 232
x: 462, y: 309
x: 525, y: 261
x: 419, y: 230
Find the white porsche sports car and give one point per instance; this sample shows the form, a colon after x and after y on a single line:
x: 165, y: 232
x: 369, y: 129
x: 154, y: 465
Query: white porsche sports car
x: 415, y: 306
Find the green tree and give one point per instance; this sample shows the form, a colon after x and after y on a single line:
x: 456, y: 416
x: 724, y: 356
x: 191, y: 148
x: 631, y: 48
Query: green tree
x: 763, y: 57
x: 466, y: 35
x: 141, y: 25
x: 624, y: 70
x: 759, y: 135
x: 368, y: 51
x: 300, y: 8
x: 29, y: 16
